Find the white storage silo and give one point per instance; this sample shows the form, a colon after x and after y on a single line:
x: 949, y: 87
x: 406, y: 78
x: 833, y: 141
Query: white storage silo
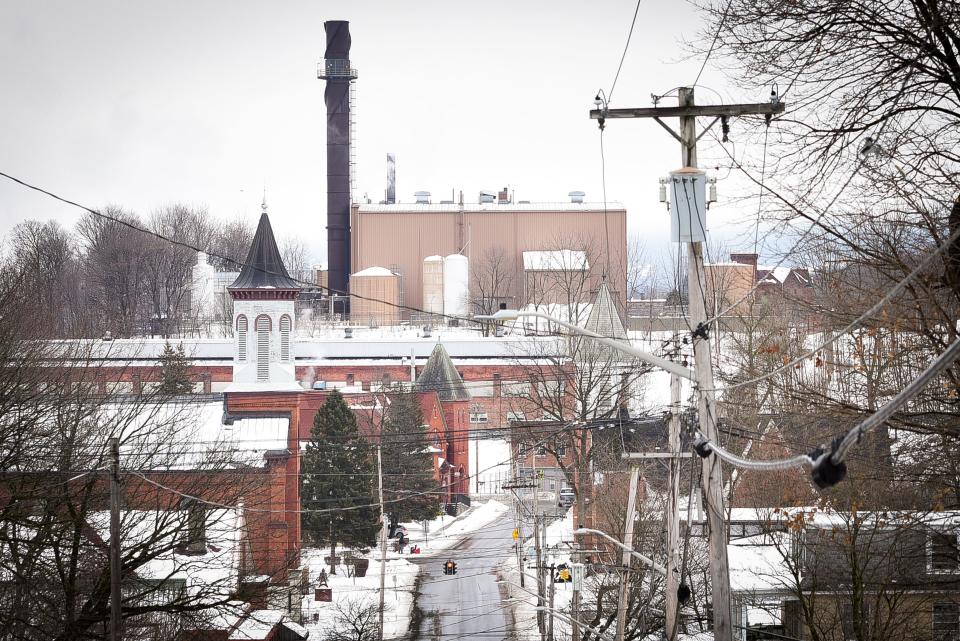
x: 456, y: 285
x: 433, y: 284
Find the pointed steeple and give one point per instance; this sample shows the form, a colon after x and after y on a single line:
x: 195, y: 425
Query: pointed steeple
x: 263, y: 268
x: 604, y: 316
x: 439, y: 375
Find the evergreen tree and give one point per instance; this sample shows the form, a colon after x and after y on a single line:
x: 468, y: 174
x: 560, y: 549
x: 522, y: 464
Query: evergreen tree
x: 411, y: 491
x: 175, y: 371
x: 338, y: 471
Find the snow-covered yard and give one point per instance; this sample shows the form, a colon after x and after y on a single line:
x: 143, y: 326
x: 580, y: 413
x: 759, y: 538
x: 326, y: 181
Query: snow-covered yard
x: 355, y: 593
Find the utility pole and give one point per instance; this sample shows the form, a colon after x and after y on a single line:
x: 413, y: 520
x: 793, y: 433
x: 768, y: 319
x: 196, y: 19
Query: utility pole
x: 673, y: 513
x: 688, y: 112
x: 625, y: 554
x: 116, y: 626
x: 540, y: 604
x: 553, y: 587
x: 383, y: 533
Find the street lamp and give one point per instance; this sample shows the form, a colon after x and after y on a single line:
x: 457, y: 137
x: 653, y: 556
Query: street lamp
x: 504, y: 315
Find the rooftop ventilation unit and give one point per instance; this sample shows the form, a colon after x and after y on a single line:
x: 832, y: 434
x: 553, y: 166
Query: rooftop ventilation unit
x: 576, y: 196
x: 422, y: 197
x: 487, y: 197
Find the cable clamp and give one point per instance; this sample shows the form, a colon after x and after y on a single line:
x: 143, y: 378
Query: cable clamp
x: 825, y: 472
x: 702, y: 331
x: 702, y: 447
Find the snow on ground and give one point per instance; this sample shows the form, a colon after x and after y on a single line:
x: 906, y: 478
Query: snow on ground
x: 491, y: 459
x: 357, y: 592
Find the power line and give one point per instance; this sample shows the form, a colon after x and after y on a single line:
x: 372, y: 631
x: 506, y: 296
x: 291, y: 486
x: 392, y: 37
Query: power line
x: 716, y: 36
x: 623, y: 57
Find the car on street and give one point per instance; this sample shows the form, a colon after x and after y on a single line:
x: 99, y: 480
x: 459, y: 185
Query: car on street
x: 566, y: 497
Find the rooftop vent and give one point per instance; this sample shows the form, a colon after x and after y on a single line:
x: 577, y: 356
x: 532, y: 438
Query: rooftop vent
x: 427, y: 330
x: 348, y: 332
x: 422, y: 197
x: 576, y: 196
x: 487, y: 197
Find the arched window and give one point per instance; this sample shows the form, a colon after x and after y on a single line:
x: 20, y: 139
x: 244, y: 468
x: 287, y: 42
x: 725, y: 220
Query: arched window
x: 263, y: 347
x: 241, y: 338
x: 284, y: 338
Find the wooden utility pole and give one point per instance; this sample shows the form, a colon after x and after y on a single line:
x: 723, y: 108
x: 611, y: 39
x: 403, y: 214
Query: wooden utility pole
x: 383, y: 534
x: 116, y: 625
x: 688, y: 112
x: 553, y: 587
x: 625, y: 555
x: 536, y: 539
x: 673, y: 513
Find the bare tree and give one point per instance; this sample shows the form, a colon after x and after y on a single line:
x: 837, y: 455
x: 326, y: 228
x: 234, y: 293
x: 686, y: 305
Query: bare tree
x: 493, y: 281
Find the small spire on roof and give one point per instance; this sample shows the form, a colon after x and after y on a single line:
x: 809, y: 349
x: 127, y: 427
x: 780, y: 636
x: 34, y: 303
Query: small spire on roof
x: 263, y: 205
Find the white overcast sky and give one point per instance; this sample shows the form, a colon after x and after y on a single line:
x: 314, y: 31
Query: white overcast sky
x: 142, y: 104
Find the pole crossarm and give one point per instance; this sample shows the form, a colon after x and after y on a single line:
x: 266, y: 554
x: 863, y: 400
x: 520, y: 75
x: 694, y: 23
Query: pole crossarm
x: 752, y: 109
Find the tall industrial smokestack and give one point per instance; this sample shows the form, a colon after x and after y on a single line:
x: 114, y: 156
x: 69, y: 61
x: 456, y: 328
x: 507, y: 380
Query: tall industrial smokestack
x: 391, y: 179
x: 336, y: 70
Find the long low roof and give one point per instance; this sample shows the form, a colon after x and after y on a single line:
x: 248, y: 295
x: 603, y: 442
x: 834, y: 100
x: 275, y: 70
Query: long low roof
x: 384, y: 343
x: 447, y: 208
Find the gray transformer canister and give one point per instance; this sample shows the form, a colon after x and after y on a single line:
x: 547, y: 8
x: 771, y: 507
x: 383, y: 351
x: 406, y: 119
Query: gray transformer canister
x: 688, y: 205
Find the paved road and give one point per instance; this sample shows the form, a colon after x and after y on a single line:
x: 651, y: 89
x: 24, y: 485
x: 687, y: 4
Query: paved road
x: 468, y: 604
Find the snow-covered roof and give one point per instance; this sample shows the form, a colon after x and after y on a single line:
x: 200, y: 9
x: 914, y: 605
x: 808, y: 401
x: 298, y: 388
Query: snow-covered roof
x: 555, y: 260
x: 192, y: 435
x: 374, y: 271
x: 757, y: 562
x: 213, y: 574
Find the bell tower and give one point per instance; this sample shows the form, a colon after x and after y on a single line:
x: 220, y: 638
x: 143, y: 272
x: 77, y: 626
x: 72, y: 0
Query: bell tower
x: 264, y: 296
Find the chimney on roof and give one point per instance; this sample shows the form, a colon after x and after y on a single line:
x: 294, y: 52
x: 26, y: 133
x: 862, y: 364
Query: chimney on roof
x: 503, y: 197
x: 745, y: 259
x: 391, y: 179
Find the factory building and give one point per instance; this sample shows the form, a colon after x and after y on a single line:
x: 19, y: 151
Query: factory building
x: 448, y: 256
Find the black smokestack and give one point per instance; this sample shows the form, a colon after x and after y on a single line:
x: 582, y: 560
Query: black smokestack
x: 338, y: 74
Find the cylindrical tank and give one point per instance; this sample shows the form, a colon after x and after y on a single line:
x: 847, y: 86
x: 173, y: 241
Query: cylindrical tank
x: 433, y: 284
x: 456, y: 283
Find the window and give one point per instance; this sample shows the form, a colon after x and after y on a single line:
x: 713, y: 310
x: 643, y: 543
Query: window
x: 262, y: 327
x: 285, y: 338
x: 350, y: 380
x: 478, y: 416
x: 515, y: 416
x: 946, y: 622
x: 385, y: 380
x: 561, y: 449
x: 241, y: 338
x: 194, y: 536
x: 942, y: 553
x: 522, y: 449
x: 541, y: 450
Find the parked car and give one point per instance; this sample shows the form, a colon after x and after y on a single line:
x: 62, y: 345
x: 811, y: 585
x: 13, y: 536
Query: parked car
x: 398, y: 532
x: 567, y: 497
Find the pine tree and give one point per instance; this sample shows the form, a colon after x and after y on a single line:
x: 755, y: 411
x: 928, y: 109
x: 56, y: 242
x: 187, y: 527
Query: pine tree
x: 338, y: 471
x: 413, y: 494
x: 175, y: 371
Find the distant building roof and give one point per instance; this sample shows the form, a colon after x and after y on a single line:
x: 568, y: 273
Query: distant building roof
x: 555, y: 260
x: 611, y: 207
x: 264, y: 268
x: 439, y: 375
